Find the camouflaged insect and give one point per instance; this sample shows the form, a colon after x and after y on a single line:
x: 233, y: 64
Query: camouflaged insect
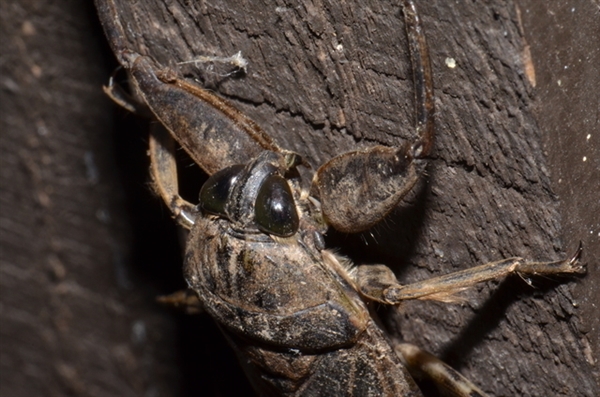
x: 298, y: 316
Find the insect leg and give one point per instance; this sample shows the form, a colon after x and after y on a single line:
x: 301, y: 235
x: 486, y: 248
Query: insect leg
x: 184, y: 300
x: 423, y: 365
x: 163, y: 170
x: 423, y: 80
x: 213, y: 132
x: 379, y: 283
x: 118, y: 95
x: 163, y: 167
x: 373, y: 181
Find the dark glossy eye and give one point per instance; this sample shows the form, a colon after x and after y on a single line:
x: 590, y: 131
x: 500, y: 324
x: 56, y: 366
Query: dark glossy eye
x: 274, y: 210
x: 215, y: 191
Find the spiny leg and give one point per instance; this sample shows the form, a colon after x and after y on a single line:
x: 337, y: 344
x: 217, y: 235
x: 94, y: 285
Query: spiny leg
x: 379, y: 283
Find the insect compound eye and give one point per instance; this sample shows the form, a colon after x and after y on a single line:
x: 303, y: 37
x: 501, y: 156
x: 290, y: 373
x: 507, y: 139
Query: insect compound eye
x: 274, y: 209
x: 215, y: 191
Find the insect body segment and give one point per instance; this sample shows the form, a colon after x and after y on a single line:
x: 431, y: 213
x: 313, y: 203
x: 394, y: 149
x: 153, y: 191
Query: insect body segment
x: 287, y: 302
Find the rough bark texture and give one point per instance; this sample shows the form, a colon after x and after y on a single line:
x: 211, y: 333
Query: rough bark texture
x: 81, y: 260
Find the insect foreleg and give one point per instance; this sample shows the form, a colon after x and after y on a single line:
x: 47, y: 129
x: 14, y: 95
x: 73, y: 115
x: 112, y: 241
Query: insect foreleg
x: 163, y: 170
x: 374, y: 180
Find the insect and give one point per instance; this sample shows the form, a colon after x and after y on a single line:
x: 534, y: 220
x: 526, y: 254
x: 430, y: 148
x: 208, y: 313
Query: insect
x: 296, y: 314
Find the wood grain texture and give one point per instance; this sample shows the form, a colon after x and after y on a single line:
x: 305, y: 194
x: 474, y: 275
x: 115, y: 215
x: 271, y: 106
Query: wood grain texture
x: 325, y: 77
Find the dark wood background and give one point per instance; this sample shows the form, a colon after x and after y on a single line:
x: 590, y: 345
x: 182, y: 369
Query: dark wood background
x: 85, y: 247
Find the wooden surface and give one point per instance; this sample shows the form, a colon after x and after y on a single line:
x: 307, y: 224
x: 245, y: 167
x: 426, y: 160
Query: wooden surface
x: 85, y: 247
x: 77, y: 316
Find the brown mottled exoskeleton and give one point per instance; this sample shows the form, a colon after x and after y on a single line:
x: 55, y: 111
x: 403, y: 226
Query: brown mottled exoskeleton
x: 296, y: 314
